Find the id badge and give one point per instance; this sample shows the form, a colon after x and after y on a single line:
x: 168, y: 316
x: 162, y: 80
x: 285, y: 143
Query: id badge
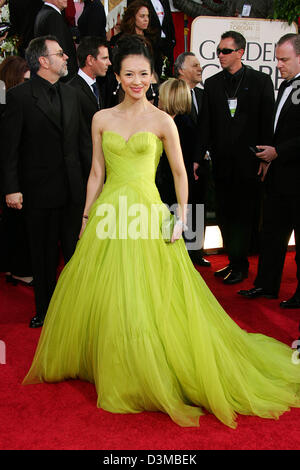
x: 246, y: 10
x: 232, y: 103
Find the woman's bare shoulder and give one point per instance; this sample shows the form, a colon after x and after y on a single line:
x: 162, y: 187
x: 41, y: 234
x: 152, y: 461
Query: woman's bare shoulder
x: 162, y: 120
x: 103, y: 118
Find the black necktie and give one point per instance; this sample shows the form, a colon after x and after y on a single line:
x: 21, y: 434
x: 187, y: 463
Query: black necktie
x: 96, y: 93
x: 55, y: 100
x: 194, y: 111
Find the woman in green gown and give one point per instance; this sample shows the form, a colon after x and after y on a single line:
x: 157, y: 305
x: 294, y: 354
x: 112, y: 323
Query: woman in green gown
x: 130, y: 313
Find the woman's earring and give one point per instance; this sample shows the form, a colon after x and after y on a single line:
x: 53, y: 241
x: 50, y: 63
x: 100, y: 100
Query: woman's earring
x: 117, y: 89
x: 153, y: 92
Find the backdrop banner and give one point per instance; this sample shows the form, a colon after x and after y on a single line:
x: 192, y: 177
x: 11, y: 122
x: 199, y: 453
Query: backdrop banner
x: 261, y: 36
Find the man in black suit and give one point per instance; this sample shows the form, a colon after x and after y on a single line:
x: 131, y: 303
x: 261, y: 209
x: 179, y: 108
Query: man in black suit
x: 93, y: 60
x: 49, y: 20
x: 22, y: 18
x: 187, y: 67
x: 41, y: 167
x: 92, y: 21
x: 161, y: 21
x: 237, y: 112
x: 281, y: 164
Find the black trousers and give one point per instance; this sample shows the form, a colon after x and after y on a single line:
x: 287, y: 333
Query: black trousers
x: 14, y: 246
x: 236, y: 209
x: 281, y: 215
x: 46, y: 229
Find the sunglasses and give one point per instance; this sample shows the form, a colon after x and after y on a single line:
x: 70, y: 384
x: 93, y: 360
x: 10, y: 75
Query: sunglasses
x: 226, y: 51
x: 59, y: 54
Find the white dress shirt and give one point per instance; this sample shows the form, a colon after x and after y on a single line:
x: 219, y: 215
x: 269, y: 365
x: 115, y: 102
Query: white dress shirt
x: 284, y: 97
x: 53, y: 6
x: 90, y: 81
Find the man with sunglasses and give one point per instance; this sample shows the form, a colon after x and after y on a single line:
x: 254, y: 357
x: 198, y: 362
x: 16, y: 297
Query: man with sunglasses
x: 41, y: 163
x: 237, y: 111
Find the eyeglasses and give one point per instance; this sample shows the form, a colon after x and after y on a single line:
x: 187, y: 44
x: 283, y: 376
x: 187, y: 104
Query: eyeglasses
x: 226, y: 51
x: 59, y: 54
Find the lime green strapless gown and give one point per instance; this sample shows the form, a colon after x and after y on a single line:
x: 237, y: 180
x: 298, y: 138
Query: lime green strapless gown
x: 135, y: 318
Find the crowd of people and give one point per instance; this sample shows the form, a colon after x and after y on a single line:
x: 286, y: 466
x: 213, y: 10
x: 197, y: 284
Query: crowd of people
x: 64, y: 127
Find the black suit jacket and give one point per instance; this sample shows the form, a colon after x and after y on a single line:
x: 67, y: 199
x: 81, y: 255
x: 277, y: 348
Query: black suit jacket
x: 228, y: 138
x: 284, y: 171
x: 22, y: 17
x: 92, y: 21
x: 49, y: 21
x: 41, y: 157
x: 89, y: 107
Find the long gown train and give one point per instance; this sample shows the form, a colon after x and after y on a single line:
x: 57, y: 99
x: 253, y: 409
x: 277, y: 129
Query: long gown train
x: 132, y: 315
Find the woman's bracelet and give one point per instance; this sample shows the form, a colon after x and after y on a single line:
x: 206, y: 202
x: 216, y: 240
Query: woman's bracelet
x: 85, y: 216
x: 182, y: 224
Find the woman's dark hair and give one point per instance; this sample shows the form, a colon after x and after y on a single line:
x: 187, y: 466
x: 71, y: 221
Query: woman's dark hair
x: 127, y: 25
x: 12, y: 71
x: 130, y: 44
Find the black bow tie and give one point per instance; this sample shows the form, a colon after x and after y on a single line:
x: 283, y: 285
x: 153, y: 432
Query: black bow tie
x: 288, y: 83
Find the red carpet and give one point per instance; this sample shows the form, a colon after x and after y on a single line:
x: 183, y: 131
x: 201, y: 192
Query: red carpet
x: 64, y: 416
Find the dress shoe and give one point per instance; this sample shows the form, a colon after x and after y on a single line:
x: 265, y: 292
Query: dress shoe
x: 223, y: 272
x: 9, y: 278
x: 235, y: 276
x: 256, y: 292
x: 198, y: 259
x: 293, y: 302
x: 36, y: 322
x: 14, y: 281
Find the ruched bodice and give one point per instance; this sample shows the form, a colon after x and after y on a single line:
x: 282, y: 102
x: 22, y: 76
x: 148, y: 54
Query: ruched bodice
x: 131, y: 159
x: 132, y: 315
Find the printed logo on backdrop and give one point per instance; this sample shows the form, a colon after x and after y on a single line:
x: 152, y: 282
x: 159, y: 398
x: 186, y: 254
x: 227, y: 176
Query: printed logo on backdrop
x: 261, y: 36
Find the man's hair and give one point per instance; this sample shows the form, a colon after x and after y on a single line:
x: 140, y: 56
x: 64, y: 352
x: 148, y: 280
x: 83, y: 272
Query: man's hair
x: 175, y: 97
x: 89, y: 46
x: 36, y: 49
x: 240, y: 41
x: 293, y: 39
x: 178, y: 65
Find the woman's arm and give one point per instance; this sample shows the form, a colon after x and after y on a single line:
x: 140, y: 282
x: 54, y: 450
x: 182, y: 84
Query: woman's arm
x: 173, y: 151
x: 96, y: 177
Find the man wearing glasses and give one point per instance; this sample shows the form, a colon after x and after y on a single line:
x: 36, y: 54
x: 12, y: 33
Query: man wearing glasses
x: 40, y: 162
x: 237, y: 111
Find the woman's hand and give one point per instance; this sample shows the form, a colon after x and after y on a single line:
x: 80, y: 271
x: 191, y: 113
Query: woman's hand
x: 179, y: 227
x: 83, y: 225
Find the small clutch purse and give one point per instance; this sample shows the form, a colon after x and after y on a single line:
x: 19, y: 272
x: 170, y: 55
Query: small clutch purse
x: 167, y: 228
